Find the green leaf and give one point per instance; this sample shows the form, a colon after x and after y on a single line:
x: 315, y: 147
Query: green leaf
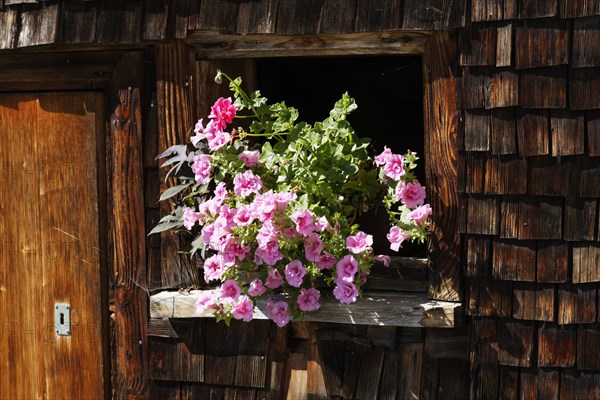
x: 165, y: 227
x: 172, y: 191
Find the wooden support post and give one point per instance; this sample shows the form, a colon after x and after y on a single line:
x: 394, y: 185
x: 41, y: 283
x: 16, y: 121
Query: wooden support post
x: 126, y: 232
x: 441, y: 165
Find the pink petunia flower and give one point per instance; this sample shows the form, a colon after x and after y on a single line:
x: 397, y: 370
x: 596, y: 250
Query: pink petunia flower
x: 278, y: 312
x: 274, y: 279
x: 313, y: 246
x: 202, y: 168
x: 304, y: 221
x: 394, y: 167
x: 347, y: 267
x: 243, y: 216
x: 383, y: 158
x: 249, y: 157
x: 214, y: 268
x: 282, y: 199
x: 345, y: 292
x: 203, y: 132
x: 294, y: 273
x: 420, y: 214
x: 243, y: 308
x: 326, y: 261
x: 263, y: 206
x: 246, y: 184
x: 396, y: 236
x: 385, y: 259
x: 256, y: 288
x: 206, y: 302
x: 220, y: 139
x: 190, y: 217
x: 308, y: 300
x: 359, y: 243
x: 230, y: 289
x: 411, y: 194
x: 222, y: 112
x: 269, y: 254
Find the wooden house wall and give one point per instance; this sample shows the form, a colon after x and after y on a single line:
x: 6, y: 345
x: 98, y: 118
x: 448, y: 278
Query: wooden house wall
x: 529, y: 146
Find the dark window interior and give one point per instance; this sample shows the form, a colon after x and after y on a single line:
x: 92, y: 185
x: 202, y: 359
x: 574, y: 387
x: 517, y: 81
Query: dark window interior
x: 389, y: 94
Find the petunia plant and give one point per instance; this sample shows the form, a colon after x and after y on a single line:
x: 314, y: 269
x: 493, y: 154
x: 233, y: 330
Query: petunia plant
x: 272, y: 208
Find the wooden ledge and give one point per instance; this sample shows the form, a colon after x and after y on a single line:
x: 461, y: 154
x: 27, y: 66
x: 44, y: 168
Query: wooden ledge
x: 215, y: 45
x: 409, y: 309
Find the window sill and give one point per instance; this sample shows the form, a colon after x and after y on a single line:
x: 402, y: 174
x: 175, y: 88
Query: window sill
x: 408, y: 309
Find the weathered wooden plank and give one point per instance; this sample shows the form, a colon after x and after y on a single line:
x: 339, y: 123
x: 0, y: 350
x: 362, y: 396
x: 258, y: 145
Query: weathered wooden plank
x: 544, y: 87
x: 8, y: 34
x: 315, y: 380
x: 367, y: 385
x: 356, y: 352
x: 548, y: 176
x: 493, y: 10
x: 580, y: 219
x: 537, y: 8
x: 331, y: 353
x: 586, y: 31
x: 533, y: 303
x: 389, y: 385
x: 556, y: 346
x: 257, y: 17
x: 251, y: 360
x: 540, y: 218
x: 584, y: 88
x: 579, y: 8
x: 403, y: 274
x: 586, y: 258
x: 155, y: 20
x: 338, y: 16
x: 78, y: 22
x: 514, y: 261
x: 515, y: 343
x: 509, y: 217
x: 433, y: 14
x: 478, y: 256
x: 473, y: 85
x: 552, y: 262
x: 177, y: 360
x: 502, y: 89
x: 477, y: 43
x: 375, y: 308
x: 490, y: 298
x: 475, y: 172
x: 126, y: 228
x: 593, y: 132
x: 579, y: 385
x: 277, y: 356
x: 567, y: 132
x: 504, y: 131
x: 505, y: 175
x: 214, y: 45
x: 38, y: 25
x: 539, y: 384
x: 482, y: 215
x: 533, y: 132
x: 590, y: 178
x: 577, y: 303
x: 220, y: 355
x: 453, y: 380
x: 176, y: 108
x: 298, y: 18
x: 509, y: 383
x: 484, y: 342
x: 441, y: 124
x: 181, y: 16
x: 378, y: 15
x: 119, y: 21
x: 447, y: 343
x: 477, y: 130
x: 219, y: 15
x: 504, y: 44
x: 588, y: 348
x: 410, y: 370
x: 484, y: 382
x: 541, y: 43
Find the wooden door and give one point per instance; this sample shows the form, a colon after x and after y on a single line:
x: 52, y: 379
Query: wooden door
x: 49, y: 238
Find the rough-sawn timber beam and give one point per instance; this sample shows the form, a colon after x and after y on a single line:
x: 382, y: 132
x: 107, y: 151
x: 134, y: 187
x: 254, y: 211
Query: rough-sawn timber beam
x: 215, y: 45
x: 410, y: 309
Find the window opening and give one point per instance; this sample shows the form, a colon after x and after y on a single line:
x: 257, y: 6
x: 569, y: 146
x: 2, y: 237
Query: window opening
x: 389, y: 94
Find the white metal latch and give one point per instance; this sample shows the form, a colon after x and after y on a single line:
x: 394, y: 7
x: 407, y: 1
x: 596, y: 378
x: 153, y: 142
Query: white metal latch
x: 62, y: 319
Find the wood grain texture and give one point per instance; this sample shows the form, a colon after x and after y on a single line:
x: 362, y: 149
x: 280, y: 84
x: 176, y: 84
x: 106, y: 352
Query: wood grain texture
x: 584, y: 87
x: 119, y: 21
x: 477, y: 130
x: 493, y: 10
x: 537, y: 8
x: 515, y: 343
x: 501, y: 90
x: 477, y: 44
x: 258, y: 17
x: 504, y: 44
x: 580, y: 219
x: 586, y: 31
x: 567, y: 133
x: 540, y: 218
x: 475, y: 172
x: 338, y: 16
x: 126, y: 227
x: 176, y: 105
x: 38, y: 25
x: 154, y: 24
x: 543, y: 87
x: 541, y: 43
x: 504, y: 131
x: 482, y: 215
x: 593, y: 132
x: 441, y: 152
x: 220, y: 15
x: 78, y: 22
x: 434, y: 14
x: 50, y: 253
x: 298, y: 18
x: 577, y: 303
x: 478, y: 256
x: 579, y: 385
x: 588, y: 350
x: 490, y: 298
x: 549, y: 176
x: 552, y: 262
x: 514, y: 261
x: 413, y: 309
x: 556, y: 346
x: 579, y: 8
x: 8, y: 20
x: 505, y: 175
x: 586, y: 258
x: 533, y: 132
x: 509, y: 217
x: 213, y: 45
x: 589, y: 177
